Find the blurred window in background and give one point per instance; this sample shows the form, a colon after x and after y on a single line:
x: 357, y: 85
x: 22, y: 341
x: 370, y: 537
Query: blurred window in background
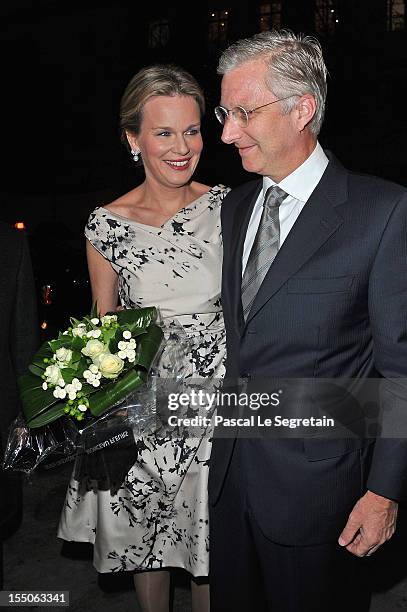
x: 326, y: 17
x: 269, y: 16
x: 158, y: 33
x: 396, y: 12
x: 218, y: 27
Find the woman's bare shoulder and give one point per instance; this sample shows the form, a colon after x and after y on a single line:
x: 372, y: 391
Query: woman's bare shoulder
x: 199, y: 189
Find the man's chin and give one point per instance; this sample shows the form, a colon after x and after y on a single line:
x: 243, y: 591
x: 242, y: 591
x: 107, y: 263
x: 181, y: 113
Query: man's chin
x: 250, y: 166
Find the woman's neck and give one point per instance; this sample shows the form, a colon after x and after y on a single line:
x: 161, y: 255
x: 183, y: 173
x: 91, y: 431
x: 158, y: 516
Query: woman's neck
x: 166, y: 200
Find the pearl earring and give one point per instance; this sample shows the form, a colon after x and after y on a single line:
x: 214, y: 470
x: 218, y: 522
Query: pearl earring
x: 136, y: 155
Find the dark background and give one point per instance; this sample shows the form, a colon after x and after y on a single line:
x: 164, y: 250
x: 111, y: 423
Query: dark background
x: 65, y: 66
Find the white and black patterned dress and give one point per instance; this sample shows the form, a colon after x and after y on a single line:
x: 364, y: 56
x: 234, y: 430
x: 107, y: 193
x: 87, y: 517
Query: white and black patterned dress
x: 159, y: 517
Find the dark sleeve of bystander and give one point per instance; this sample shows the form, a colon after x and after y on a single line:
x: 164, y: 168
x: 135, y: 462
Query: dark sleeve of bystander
x: 19, y: 339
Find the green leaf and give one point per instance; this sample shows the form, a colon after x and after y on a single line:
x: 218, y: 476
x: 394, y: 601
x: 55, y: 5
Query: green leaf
x: 148, y: 345
x: 77, y: 343
x: 68, y: 374
x: 37, y: 370
x: 76, y: 356
x: 103, y: 399
x: 138, y: 318
x: 34, y: 399
x: 81, y: 366
x: 64, y: 341
x: 94, y: 312
x: 54, y: 413
x: 44, y: 352
x: 109, y: 335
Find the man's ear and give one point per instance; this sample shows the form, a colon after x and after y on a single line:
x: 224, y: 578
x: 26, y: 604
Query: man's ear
x: 306, y: 108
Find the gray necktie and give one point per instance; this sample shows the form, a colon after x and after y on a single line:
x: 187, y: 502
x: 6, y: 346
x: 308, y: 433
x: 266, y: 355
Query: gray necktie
x: 264, y: 249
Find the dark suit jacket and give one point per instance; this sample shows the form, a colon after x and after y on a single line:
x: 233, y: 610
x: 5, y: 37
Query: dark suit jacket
x: 18, y: 341
x: 333, y: 304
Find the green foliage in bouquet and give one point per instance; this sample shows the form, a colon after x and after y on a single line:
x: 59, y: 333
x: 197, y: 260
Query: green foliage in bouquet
x: 91, y: 366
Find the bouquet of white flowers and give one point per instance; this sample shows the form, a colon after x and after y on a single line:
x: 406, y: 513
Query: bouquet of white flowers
x: 76, y: 381
x: 91, y: 366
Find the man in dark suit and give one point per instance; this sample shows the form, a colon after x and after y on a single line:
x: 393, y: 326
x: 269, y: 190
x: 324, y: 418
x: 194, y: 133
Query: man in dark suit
x: 18, y: 341
x: 314, y: 287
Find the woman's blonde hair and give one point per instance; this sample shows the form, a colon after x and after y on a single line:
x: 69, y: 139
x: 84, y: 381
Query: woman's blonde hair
x: 156, y: 80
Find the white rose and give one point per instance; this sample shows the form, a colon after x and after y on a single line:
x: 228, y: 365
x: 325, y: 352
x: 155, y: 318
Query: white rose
x: 52, y: 374
x: 95, y: 321
x: 63, y: 354
x: 94, y: 348
x: 110, y: 366
x: 79, y: 331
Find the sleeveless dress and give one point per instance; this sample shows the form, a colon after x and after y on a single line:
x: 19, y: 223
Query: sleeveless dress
x: 159, y: 516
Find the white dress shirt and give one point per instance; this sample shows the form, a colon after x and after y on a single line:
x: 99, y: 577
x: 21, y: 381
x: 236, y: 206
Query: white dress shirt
x: 299, y: 185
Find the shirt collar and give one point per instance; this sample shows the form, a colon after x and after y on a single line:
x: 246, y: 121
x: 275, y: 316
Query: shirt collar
x: 302, y: 182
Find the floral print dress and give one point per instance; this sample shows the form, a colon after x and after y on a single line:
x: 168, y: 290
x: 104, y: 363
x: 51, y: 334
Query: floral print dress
x: 159, y: 516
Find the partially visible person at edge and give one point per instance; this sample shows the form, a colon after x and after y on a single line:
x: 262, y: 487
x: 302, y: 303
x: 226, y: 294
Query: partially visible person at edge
x: 158, y: 245
x: 19, y: 338
x: 314, y: 286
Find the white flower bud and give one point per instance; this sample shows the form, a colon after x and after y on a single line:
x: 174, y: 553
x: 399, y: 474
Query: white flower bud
x: 77, y: 384
x: 131, y: 355
x: 108, y: 319
x: 127, y: 335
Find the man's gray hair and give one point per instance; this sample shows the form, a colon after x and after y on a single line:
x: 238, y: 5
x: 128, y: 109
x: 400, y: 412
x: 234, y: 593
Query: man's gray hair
x: 295, y: 67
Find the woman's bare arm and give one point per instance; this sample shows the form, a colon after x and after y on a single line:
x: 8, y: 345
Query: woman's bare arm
x: 103, y: 280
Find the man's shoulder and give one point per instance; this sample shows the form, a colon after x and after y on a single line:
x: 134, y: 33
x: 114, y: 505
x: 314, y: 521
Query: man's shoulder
x: 237, y: 194
x: 376, y: 184
x: 363, y: 183
x: 376, y: 196
x: 245, y: 188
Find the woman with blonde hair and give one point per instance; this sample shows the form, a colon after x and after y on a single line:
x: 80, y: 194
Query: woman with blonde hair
x: 158, y: 245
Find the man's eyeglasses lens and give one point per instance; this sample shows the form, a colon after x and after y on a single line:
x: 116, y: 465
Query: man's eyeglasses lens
x: 238, y: 114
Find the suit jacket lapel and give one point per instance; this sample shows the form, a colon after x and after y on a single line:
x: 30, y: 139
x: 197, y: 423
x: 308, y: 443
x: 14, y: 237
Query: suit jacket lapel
x: 317, y: 221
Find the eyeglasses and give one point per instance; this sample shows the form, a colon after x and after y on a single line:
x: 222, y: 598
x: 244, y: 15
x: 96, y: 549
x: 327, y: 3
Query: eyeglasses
x: 239, y: 114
